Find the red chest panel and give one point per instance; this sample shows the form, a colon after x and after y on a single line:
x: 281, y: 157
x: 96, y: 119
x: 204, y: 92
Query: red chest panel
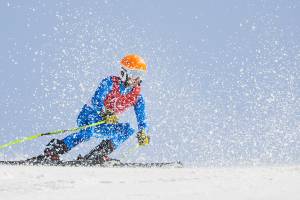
x: 117, y: 102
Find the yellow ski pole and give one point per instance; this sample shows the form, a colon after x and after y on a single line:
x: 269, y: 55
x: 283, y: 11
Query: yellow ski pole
x: 18, y: 141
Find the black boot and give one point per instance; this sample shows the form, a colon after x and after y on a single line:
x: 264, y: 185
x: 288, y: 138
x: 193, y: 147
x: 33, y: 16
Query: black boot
x: 54, y: 149
x: 100, y: 152
x: 51, y: 153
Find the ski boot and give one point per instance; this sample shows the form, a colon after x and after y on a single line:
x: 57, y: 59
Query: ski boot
x: 100, y: 153
x: 54, y: 149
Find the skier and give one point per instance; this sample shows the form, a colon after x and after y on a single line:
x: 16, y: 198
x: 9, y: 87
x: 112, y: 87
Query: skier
x: 114, y: 95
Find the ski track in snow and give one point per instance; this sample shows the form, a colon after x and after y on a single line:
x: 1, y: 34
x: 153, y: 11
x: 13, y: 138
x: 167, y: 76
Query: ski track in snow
x: 268, y: 183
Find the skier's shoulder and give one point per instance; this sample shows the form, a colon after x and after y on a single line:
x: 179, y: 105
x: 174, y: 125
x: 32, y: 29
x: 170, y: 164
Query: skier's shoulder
x: 106, y: 82
x: 111, y: 79
x: 115, y: 79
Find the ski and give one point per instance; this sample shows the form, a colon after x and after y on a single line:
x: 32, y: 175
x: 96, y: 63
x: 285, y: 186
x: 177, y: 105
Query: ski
x: 92, y: 163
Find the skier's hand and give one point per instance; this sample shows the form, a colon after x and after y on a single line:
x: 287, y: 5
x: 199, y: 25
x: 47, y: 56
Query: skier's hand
x: 143, y: 139
x: 109, y: 117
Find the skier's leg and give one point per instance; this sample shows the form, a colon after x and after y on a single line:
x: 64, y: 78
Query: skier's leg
x: 76, y: 138
x: 57, y: 147
x: 85, y: 117
x: 118, y: 133
x: 123, y: 132
x: 100, y: 152
x: 115, y: 135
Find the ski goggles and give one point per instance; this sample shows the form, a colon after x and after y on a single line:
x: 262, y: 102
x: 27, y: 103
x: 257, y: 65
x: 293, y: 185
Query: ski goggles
x: 134, y: 74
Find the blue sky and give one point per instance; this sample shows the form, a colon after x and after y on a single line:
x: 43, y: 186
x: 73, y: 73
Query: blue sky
x: 222, y: 87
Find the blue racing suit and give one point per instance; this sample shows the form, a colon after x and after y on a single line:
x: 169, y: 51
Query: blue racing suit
x: 117, y: 133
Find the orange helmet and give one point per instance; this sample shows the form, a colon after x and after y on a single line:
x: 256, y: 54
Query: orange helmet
x: 134, y: 62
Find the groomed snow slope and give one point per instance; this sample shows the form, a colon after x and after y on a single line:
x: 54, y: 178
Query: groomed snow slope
x: 71, y: 183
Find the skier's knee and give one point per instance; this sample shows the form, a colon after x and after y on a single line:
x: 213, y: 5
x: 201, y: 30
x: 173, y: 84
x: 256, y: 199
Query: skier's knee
x: 128, y: 129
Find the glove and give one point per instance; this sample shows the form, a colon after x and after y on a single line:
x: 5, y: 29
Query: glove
x: 109, y: 117
x: 143, y: 139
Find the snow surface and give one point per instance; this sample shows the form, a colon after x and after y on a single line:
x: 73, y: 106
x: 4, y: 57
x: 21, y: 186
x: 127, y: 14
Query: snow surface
x: 28, y: 182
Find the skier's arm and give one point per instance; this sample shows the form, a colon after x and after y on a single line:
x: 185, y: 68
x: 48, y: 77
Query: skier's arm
x: 98, y: 99
x: 140, y: 113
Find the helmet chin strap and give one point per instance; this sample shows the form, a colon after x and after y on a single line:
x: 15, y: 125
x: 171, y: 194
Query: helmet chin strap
x: 124, y: 77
